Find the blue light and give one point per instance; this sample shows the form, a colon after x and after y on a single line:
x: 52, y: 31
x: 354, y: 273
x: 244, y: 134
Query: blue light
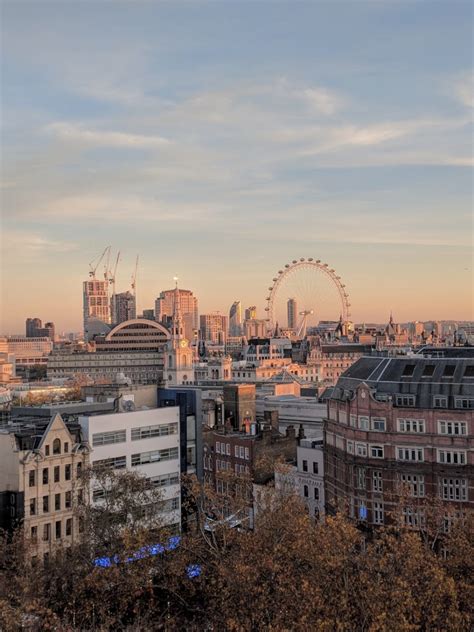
x: 363, y: 512
x: 145, y: 551
x: 193, y: 571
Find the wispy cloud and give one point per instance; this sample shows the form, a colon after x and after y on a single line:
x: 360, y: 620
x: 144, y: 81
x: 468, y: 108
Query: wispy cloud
x: 71, y: 132
x: 30, y: 243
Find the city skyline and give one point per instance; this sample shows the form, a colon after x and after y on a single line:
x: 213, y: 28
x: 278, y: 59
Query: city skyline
x: 219, y: 146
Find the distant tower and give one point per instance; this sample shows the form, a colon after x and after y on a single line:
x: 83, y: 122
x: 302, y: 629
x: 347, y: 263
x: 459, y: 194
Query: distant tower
x: 179, y: 357
x: 235, y: 319
x: 124, y: 307
x: 292, y: 308
x: 251, y: 313
x: 96, y: 304
x: 32, y: 326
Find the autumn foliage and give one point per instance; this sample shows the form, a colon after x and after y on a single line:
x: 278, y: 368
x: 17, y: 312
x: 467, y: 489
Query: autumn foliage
x: 289, y: 573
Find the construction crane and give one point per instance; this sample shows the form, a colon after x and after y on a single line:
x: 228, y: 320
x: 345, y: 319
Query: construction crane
x: 95, y: 263
x: 134, y: 278
x: 107, y: 262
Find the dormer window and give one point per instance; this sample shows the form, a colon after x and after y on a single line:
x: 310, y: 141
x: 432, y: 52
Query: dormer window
x: 405, y: 400
x: 449, y: 370
x: 57, y: 446
x: 408, y: 370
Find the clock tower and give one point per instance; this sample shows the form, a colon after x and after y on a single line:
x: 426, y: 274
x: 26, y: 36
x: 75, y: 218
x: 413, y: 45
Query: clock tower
x: 179, y: 368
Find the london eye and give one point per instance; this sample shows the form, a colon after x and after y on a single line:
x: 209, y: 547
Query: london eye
x: 304, y: 293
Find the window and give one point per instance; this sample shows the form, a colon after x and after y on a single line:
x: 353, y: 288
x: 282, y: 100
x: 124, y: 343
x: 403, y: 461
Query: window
x: 227, y: 449
x: 34, y: 534
x: 153, y: 456
x: 67, y: 500
x: 115, y: 463
x: 241, y: 452
x: 33, y: 507
x: 163, y: 430
x: 377, y: 481
x: 411, y: 425
x: 80, y: 496
x: 408, y: 370
x: 57, y: 446
x: 305, y: 491
x: 376, y: 451
x: 413, y: 517
x: 449, y: 370
x: 361, y: 483
x: 315, y: 467
x: 247, y: 454
x: 452, y: 457
x: 66, y: 446
x: 464, y: 402
x: 363, y: 422
x: 107, y: 438
x: 57, y: 502
x: 45, y: 504
x: 78, y: 470
x: 350, y: 447
x: 67, y: 472
x: 46, y: 532
x: 32, y: 478
x: 316, y: 493
x: 58, y: 529
x: 452, y: 427
x: 218, y: 447
x: 236, y: 451
x: 469, y: 372
x: 361, y: 449
x: 353, y: 420
x: 164, y: 480
x: 440, y: 401
x: 305, y: 465
x: 453, y: 489
x: 57, y: 473
x: 414, y: 484
x: 378, y: 424
x: 428, y: 370
x: 45, y: 476
x: 405, y: 400
x: 46, y: 450
x: 410, y: 454
x: 69, y: 526
x: 378, y: 512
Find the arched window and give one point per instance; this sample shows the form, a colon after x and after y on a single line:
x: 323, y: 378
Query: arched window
x: 185, y: 378
x: 57, y: 446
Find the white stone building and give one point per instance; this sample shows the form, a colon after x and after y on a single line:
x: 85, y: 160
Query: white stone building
x: 144, y: 441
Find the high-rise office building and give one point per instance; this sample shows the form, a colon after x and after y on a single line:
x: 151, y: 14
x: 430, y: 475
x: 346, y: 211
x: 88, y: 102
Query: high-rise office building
x: 96, y: 304
x: 32, y: 326
x: 235, y: 319
x: 164, y: 309
x: 213, y: 328
x: 251, y: 313
x: 292, y: 313
x: 124, y: 307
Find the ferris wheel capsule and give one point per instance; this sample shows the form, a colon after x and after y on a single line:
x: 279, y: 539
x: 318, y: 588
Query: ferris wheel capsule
x: 318, y: 260
x: 311, y: 259
x: 302, y: 259
x: 287, y: 265
x: 280, y: 271
x: 275, y: 279
x: 294, y: 261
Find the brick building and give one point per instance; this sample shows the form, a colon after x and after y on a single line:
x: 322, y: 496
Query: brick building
x: 400, y: 423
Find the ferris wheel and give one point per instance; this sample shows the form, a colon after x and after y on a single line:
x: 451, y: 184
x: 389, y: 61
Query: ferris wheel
x: 303, y: 293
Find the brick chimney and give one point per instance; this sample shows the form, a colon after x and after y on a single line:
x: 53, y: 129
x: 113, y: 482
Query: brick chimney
x: 271, y: 417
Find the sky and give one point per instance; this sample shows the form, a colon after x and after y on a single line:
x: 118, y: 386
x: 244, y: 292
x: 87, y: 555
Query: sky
x: 221, y: 140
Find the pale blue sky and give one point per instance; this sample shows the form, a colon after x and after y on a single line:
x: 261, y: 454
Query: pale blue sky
x: 222, y: 139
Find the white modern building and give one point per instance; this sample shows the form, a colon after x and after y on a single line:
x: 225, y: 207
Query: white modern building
x: 310, y: 474
x: 144, y: 441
